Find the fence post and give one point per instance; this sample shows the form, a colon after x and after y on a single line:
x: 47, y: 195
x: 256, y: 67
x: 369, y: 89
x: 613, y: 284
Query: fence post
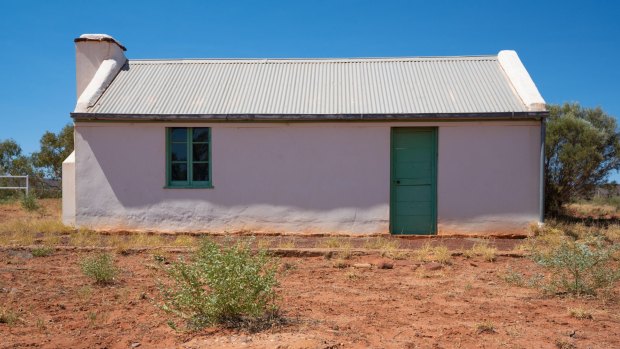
x: 27, y: 185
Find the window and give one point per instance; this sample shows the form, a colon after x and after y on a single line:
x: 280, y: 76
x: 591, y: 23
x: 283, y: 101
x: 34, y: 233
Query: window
x: 188, y: 158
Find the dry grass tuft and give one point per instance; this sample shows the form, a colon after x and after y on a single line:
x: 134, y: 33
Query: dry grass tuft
x: 342, y: 244
x: 8, y: 316
x: 185, y: 241
x: 580, y: 313
x: 485, y: 327
x: 286, y: 243
x: 483, y: 250
x: 42, y: 251
x: 441, y: 254
x: 389, y: 248
x: 84, y: 238
x: 335, y: 242
x: 263, y: 244
x: 429, y: 253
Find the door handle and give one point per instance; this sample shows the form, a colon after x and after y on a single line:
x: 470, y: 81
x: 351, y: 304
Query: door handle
x: 397, y: 182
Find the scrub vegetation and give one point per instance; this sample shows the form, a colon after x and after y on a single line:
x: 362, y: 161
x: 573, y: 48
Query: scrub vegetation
x: 483, y: 250
x: 100, y: 268
x: 173, y: 285
x: 229, y: 285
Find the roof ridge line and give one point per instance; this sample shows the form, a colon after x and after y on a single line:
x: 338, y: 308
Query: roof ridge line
x: 317, y: 60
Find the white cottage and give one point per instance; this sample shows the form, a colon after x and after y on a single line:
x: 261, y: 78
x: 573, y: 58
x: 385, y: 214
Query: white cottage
x: 406, y: 145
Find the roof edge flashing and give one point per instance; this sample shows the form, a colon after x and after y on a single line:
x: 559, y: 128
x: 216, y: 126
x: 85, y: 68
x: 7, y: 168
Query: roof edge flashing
x: 521, y: 80
x: 87, y: 116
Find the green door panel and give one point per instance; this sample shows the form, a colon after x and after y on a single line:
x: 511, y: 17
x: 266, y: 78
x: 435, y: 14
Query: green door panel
x: 413, y: 204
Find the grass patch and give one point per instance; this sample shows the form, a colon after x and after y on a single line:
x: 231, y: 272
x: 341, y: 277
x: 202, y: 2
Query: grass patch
x: 29, y: 202
x: 229, y: 285
x: 483, y: 250
x: 485, y: 327
x: 513, y: 277
x: 389, y: 248
x: 42, y: 251
x: 100, y: 268
x: 285, y: 243
x: 184, y: 241
x: 580, y: 313
x: 335, y: 242
x: 429, y: 253
x: 8, y: 316
x: 84, y: 238
x: 564, y: 344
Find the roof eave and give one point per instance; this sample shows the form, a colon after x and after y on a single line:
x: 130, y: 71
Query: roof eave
x: 309, y: 117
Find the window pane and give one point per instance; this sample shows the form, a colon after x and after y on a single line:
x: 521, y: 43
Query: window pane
x: 201, y: 134
x: 178, y: 134
x: 201, y: 152
x: 178, y: 152
x: 201, y: 172
x: 179, y: 172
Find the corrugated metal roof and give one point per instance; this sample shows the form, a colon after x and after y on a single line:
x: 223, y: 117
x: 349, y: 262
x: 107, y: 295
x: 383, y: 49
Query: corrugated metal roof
x: 427, y: 85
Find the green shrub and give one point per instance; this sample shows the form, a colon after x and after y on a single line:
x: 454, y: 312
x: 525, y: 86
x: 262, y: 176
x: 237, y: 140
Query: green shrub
x: 100, y: 267
x: 29, y: 202
x: 579, y: 268
x: 227, y: 285
x: 42, y: 251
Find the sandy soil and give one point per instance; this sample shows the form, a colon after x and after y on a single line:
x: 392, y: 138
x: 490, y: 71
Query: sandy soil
x: 463, y: 305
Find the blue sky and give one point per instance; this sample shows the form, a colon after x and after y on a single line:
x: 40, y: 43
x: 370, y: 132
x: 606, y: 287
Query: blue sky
x: 570, y: 48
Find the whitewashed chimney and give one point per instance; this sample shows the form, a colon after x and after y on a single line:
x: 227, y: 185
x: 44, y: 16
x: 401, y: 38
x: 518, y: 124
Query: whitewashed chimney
x: 99, y: 57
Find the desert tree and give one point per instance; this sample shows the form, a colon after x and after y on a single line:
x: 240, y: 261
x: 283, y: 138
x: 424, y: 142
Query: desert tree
x: 582, y: 148
x: 55, y: 148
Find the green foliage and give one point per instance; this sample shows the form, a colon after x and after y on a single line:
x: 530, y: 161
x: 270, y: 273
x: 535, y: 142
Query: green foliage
x: 579, y: 268
x: 9, y: 151
x: 582, y: 147
x: 55, y: 148
x: 228, y: 285
x: 29, y: 202
x: 42, y: 251
x: 100, y: 268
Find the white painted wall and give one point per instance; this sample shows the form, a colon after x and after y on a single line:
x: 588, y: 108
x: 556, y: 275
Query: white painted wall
x: 304, y: 177
x: 68, y: 190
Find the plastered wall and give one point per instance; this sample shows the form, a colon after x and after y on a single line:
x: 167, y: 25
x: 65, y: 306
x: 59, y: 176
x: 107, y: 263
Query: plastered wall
x: 305, y: 177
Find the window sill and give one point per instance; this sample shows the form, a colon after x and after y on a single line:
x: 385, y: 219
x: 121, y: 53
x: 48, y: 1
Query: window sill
x: 189, y: 187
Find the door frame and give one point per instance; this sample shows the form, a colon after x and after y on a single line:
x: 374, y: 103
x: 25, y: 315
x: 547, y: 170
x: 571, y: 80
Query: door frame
x: 435, y: 131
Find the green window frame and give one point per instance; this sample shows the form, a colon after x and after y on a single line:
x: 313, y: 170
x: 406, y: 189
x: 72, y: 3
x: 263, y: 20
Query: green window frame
x: 188, y: 157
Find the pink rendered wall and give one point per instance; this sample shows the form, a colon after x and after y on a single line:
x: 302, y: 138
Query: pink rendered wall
x: 488, y: 178
x: 309, y: 177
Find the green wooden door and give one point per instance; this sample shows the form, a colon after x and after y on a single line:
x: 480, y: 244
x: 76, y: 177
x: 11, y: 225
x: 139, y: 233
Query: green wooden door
x: 413, y: 203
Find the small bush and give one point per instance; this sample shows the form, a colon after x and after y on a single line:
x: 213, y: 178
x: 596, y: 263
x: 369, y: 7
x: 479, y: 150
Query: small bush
x: 579, y: 268
x: 100, y: 268
x: 42, y: 251
x: 227, y: 285
x: 29, y: 202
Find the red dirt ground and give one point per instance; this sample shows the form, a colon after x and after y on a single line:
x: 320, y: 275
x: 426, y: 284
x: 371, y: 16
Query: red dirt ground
x: 408, y: 306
